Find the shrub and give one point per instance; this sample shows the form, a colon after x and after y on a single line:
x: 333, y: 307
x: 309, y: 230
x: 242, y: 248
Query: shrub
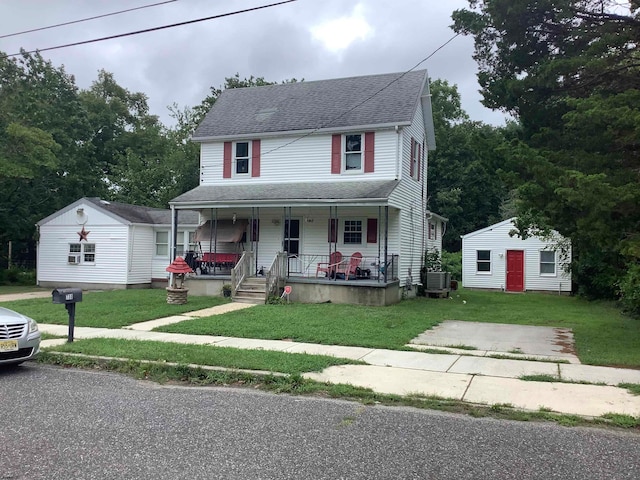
x: 452, y: 262
x: 17, y: 276
x: 630, y: 290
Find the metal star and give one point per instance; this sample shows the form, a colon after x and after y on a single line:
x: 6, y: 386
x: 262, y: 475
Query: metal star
x: 84, y: 234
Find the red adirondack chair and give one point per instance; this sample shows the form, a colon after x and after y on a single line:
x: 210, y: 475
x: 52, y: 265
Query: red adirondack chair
x: 330, y: 267
x: 349, y: 268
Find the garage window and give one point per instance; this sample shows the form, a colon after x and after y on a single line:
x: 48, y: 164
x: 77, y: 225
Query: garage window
x: 483, y: 261
x: 547, y: 262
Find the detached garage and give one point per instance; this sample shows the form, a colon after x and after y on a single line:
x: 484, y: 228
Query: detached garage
x: 93, y: 243
x: 494, y: 260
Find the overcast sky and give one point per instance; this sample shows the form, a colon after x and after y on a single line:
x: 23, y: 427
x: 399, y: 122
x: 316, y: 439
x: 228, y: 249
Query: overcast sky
x: 306, y: 39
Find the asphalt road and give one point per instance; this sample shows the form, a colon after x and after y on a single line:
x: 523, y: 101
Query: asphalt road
x: 74, y: 424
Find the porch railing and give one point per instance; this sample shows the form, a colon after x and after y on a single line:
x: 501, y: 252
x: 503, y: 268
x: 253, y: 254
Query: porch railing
x: 369, y: 268
x: 275, y: 274
x: 241, y: 271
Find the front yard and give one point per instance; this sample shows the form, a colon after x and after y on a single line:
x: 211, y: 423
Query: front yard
x: 603, y: 335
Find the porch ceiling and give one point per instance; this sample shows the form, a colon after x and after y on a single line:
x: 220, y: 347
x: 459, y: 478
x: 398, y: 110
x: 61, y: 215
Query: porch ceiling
x: 285, y: 194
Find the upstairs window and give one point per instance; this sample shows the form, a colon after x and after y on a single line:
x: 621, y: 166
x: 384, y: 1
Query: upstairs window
x: 415, y: 159
x: 547, y: 262
x: 483, y: 261
x: 242, y: 158
x: 353, y: 153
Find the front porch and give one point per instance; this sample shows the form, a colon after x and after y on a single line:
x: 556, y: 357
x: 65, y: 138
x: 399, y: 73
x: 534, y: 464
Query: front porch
x: 373, y: 282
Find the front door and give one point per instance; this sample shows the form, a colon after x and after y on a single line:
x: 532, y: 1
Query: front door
x: 292, y: 244
x: 515, y: 271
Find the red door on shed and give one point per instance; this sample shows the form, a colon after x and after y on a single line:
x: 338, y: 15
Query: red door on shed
x: 515, y: 271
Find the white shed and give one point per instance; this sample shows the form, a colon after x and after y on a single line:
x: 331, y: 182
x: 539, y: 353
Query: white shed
x: 93, y: 243
x: 492, y: 259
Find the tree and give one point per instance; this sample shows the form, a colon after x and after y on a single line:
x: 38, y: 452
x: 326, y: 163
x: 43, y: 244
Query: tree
x: 569, y: 71
x: 43, y: 138
x: 464, y: 182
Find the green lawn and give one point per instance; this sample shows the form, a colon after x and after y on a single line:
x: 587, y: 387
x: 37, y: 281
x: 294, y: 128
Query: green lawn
x: 111, y: 309
x: 292, y: 363
x: 603, y: 335
x: 8, y: 289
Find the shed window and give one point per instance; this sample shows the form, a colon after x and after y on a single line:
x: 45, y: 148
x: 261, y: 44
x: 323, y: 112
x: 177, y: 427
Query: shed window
x: 483, y: 261
x: 547, y: 262
x: 81, y: 253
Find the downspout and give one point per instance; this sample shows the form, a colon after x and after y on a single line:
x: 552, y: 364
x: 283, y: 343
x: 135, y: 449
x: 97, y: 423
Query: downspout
x: 174, y: 233
x: 423, y: 176
x: 386, y: 241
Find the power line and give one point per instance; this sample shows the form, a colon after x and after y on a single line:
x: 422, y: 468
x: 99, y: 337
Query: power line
x: 346, y: 112
x: 85, y: 19
x: 153, y: 29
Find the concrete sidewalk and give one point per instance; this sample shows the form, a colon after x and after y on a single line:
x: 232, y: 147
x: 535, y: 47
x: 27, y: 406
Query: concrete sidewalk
x: 463, y: 377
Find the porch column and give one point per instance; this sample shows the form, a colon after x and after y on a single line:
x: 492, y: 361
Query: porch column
x: 174, y: 233
x: 379, y: 242
x: 386, y: 241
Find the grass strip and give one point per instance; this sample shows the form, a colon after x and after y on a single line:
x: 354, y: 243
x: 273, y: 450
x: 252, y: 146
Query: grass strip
x: 265, y: 360
x: 111, y: 309
x: 603, y: 335
x: 296, y: 385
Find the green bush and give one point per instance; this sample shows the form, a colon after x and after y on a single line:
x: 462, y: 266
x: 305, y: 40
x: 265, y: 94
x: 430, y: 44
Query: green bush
x: 452, y: 262
x: 630, y: 290
x: 17, y: 276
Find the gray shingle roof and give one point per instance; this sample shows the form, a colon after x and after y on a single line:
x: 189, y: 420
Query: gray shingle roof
x: 263, y: 193
x: 141, y: 214
x: 344, y: 102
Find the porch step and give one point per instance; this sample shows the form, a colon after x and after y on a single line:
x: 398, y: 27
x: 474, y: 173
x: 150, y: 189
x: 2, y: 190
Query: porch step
x: 252, y: 290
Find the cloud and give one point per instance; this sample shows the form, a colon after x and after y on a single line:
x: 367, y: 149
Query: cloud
x: 306, y: 39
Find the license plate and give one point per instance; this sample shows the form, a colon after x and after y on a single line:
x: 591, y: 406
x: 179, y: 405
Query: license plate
x: 8, y: 345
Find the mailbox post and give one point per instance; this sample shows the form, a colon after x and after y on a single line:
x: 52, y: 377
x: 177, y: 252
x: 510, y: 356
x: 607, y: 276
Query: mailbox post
x: 68, y: 297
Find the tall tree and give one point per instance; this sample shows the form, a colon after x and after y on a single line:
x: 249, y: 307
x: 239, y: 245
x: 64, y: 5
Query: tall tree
x: 464, y: 182
x: 43, y: 143
x: 569, y: 71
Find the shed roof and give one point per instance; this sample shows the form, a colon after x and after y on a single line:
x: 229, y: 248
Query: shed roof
x: 384, y: 99
x: 127, y: 213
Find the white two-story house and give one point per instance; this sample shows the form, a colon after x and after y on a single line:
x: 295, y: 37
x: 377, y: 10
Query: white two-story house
x: 321, y: 183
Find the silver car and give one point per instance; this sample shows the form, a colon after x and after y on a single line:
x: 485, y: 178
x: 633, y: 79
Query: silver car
x: 19, y: 337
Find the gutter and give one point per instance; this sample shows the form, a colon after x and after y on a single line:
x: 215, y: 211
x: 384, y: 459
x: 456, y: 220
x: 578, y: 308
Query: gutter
x: 301, y: 133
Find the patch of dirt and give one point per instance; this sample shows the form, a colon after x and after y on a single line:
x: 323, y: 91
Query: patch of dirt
x: 564, y: 339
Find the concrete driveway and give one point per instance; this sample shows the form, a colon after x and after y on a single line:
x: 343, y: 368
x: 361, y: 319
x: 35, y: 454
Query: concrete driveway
x: 550, y: 342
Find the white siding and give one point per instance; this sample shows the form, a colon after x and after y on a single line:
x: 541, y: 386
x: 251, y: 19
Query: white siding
x: 110, y: 237
x: 496, y: 239
x: 409, y: 199
x: 140, y: 254
x: 110, y: 266
x: 295, y: 159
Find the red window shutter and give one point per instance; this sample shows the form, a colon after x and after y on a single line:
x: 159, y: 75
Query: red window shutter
x: 419, y: 161
x: 255, y: 158
x: 411, y: 157
x: 226, y: 164
x: 255, y: 230
x: 429, y: 230
x: 372, y: 230
x: 336, y: 154
x: 369, y: 147
x: 333, y: 230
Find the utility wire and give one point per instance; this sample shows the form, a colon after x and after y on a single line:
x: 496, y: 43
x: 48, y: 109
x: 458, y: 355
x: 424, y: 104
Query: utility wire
x: 85, y: 19
x: 346, y: 112
x: 153, y: 29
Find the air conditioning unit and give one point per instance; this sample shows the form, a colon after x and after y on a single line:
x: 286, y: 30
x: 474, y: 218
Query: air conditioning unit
x: 74, y: 259
x: 438, y: 280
